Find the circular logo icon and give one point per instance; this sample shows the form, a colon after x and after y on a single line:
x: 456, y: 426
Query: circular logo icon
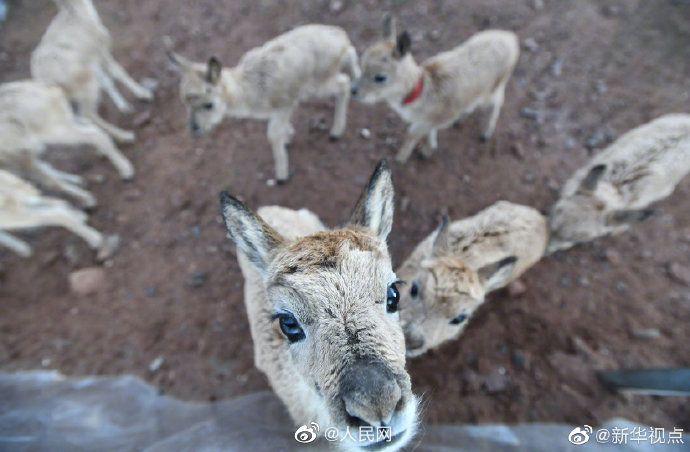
x: 306, y: 434
x: 580, y: 435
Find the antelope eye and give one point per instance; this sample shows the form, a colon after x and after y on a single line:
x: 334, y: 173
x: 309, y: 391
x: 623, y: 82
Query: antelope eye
x: 380, y: 78
x: 414, y: 290
x: 392, y: 299
x: 290, y: 328
x: 458, y: 320
x: 208, y: 106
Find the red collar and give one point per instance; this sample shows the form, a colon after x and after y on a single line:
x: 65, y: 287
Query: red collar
x: 416, y: 91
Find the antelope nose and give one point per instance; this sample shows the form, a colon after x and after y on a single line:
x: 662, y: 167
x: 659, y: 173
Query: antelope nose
x: 354, y: 88
x: 413, y: 340
x: 371, y: 394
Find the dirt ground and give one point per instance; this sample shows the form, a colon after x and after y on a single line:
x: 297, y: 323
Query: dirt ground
x: 588, y: 72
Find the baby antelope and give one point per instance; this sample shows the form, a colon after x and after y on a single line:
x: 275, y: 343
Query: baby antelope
x: 34, y: 115
x: 74, y: 53
x: 444, y: 89
x: 450, y: 272
x: 616, y: 187
x: 22, y: 206
x: 269, y: 82
x: 322, y: 307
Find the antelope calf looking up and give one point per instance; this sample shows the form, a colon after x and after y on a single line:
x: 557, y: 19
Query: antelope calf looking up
x: 34, y: 115
x: 269, y: 82
x: 444, y: 89
x: 22, y: 206
x: 617, y: 186
x: 74, y: 53
x: 322, y: 309
x: 450, y: 272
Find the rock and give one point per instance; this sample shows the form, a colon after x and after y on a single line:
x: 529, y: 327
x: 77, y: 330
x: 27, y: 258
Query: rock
x: 149, y: 83
x: 365, y: 133
x: 564, y: 281
x: 50, y: 258
x: 520, y: 360
x: 472, y: 380
x: 495, y: 382
x: 404, y: 204
x: 141, y: 119
x: 530, y: 113
x: 537, y: 5
x: 613, y: 257
x: 271, y: 182
x: 97, y: 178
x: 596, y: 139
x: 680, y: 273
x: 434, y: 35
x: 517, y: 288
x: 131, y: 194
x: 517, y: 150
x: 601, y: 87
x: 197, y: 279
x: 528, y: 177
x: 557, y: 67
x: 87, y: 280
x: 156, y: 364
x: 611, y: 11
x: 646, y: 333
x: 336, y: 6
x: 530, y: 44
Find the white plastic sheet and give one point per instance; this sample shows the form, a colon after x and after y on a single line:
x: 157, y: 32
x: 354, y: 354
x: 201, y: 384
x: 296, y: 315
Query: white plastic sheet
x: 44, y: 411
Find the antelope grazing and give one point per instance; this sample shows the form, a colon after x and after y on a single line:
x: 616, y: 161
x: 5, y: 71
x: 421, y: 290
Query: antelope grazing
x: 444, y: 89
x: 34, y: 115
x: 322, y: 309
x: 74, y: 53
x: 450, y: 272
x: 22, y: 206
x: 616, y: 187
x: 269, y: 82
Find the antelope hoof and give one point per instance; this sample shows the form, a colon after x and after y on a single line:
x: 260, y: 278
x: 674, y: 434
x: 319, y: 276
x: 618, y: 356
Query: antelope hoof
x: 110, y: 244
x: 127, y: 173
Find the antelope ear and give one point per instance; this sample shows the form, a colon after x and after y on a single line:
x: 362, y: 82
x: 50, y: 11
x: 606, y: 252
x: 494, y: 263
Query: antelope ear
x: 213, y: 70
x: 589, y: 183
x: 402, y: 45
x: 250, y: 233
x: 495, y: 275
x: 628, y: 216
x: 388, y: 28
x: 179, y: 62
x: 440, y: 245
x: 374, y: 210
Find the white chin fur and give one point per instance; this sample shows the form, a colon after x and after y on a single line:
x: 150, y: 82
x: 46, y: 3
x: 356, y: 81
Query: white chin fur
x: 404, y: 424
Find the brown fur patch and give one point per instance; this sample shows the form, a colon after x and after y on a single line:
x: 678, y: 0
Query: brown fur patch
x: 323, y: 250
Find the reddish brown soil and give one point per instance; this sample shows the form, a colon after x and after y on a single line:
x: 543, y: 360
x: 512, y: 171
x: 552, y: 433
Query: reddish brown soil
x: 622, y: 63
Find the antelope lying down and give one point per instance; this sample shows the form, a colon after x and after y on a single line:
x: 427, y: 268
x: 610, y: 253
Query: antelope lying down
x: 269, y: 82
x: 74, y: 53
x: 322, y: 309
x: 616, y: 187
x: 34, y: 115
x: 22, y: 206
x: 444, y: 89
x: 450, y: 272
